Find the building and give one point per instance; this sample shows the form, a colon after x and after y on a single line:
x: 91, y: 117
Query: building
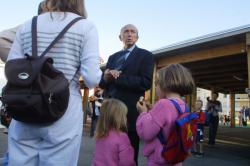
x: 219, y: 62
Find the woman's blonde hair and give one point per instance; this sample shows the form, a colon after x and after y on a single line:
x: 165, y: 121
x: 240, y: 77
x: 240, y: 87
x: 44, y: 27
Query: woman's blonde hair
x: 73, y: 6
x: 113, y: 115
x: 175, y: 78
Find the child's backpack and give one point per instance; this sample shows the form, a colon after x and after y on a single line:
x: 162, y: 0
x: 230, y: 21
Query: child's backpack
x: 176, y: 147
x: 201, y: 117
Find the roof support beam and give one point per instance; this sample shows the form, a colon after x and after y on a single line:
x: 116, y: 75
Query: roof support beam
x: 85, y: 103
x: 220, y: 76
x: 204, y: 54
x: 248, y: 39
x: 248, y: 56
x: 153, y: 99
x: 232, y: 101
x: 238, y: 59
x: 218, y: 70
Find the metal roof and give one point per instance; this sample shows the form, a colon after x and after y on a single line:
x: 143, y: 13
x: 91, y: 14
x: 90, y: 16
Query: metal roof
x: 204, y: 39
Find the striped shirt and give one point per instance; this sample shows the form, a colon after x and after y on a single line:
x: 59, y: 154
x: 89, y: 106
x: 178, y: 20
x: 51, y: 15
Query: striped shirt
x: 75, y: 54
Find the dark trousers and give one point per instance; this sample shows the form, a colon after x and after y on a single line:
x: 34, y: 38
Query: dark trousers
x: 213, y: 126
x: 134, y: 140
x: 93, y: 125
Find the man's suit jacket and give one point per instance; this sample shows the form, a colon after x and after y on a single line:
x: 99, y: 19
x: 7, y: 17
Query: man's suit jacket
x: 135, y: 79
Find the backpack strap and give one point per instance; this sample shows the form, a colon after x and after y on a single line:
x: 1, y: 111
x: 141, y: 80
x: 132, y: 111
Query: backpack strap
x: 177, y: 106
x: 34, y: 37
x: 59, y: 36
x: 160, y: 135
x: 36, y: 65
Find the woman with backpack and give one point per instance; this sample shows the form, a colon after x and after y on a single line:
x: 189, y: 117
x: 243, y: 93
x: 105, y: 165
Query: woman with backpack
x: 75, y: 54
x: 172, y: 82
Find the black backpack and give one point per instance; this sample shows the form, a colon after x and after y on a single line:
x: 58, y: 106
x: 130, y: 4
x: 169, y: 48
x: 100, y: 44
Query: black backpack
x: 36, y: 92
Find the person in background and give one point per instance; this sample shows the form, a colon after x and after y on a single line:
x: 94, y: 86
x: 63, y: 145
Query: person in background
x: 5, y: 118
x: 172, y: 82
x: 243, y: 113
x: 57, y: 143
x: 6, y: 39
x: 96, y: 102
x: 113, y: 147
x: 213, y: 107
x: 198, y: 152
x: 225, y: 120
x: 7, y: 36
x: 127, y: 76
x: 221, y: 119
x: 240, y: 116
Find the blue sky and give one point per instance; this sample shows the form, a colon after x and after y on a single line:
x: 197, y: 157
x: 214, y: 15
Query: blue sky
x: 160, y: 22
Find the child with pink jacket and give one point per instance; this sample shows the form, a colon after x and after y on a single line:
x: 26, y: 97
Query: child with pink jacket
x: 113, y: 147
x: 172, y: 82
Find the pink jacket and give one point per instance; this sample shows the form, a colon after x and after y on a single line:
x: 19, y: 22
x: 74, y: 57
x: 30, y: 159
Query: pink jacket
x: 114, y: 150
x: 162, y: 115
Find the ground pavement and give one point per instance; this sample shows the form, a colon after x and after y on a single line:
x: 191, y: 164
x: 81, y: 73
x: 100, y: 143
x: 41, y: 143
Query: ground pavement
x: 232, y: 149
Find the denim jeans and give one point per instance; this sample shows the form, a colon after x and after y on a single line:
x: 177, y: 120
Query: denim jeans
x: 5, y: 159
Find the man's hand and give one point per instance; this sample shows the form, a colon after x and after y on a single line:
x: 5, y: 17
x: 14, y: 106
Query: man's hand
x: 111, y: 75
x: 107, y: 76
x: 115, y: 73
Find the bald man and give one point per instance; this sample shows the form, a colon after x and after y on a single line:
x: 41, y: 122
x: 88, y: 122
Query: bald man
x: 127, y: 76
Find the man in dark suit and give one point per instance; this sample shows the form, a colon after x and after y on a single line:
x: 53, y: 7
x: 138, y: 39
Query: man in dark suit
x: 127, y: 76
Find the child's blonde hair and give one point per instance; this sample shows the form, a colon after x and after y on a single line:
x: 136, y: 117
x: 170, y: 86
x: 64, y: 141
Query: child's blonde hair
x: 175, y: 78
x: 113, y: 115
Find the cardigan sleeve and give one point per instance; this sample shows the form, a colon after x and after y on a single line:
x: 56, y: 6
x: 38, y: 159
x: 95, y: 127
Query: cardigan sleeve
x: 16, y: 50
x: 162, y: 116
x: 149, y: 124
x: 90, y: 68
